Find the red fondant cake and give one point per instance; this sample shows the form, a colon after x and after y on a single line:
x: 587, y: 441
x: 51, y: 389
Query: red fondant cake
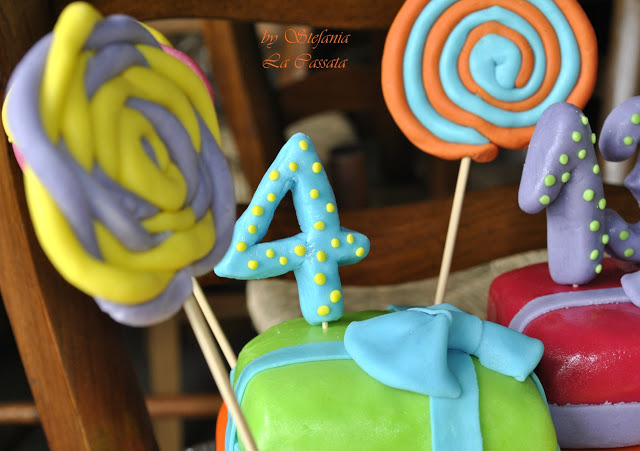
x: 591, y: 365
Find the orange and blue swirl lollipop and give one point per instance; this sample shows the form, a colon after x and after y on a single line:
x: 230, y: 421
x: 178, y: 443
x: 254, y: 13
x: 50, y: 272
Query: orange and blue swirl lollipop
x: 129, y: 193
x: 464, y: 78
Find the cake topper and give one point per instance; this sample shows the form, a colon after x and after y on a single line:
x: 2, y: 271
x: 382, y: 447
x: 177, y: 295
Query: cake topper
x: 127, y: 187
x: 314, y: 254
x: 561, y: 174
x: 618, y: 142
x: 463, y: 78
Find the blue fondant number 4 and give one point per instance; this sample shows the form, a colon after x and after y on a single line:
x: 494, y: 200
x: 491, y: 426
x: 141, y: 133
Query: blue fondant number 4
x: 314, y: 254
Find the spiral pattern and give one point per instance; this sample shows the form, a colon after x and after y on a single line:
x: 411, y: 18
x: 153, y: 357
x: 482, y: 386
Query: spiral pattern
x: 462, y: 78
x: 129, y: 193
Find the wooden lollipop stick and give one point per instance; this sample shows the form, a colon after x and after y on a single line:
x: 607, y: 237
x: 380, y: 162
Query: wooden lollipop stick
x: 219, y: 371
x: 218, y: 333
x: 452, y: 231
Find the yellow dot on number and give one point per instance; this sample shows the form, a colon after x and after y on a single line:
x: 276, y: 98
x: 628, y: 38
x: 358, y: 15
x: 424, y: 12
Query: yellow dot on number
x: 303, y: 145
x: 241, y: 246
x: 623, y: 235
x: 593, y: 138
x: 252, y: 264
x: 257, y: 210
x: 564, y: 158
x: 323, y: 310
x: 299, y: 250
x: 598, y: 269
x: 274, y: 175
x: 628, y: 140
x: 594, y: 254
x: 360, y: 251
x: 283, y: 260
x: 331, y: 208
x: 252, y: 229
x: 317, y: 167
x: 320, y: 279
x: 350, y: 239
x: 321, y: 256
x: 319, y: 225
x: 629, y: 252
x: 588, y: 195
x: 270, y: 253
x: 544, y: 200
x: 576, y: 136
x: 271, y: 197
x: 314, y: 193
x: 335, y: 242
x: 596, y: 169
x: 293, y: 166
x: 335, y: 296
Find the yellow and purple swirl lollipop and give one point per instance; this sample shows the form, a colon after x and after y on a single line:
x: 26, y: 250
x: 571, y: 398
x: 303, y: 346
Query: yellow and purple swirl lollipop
x: 129, y: 193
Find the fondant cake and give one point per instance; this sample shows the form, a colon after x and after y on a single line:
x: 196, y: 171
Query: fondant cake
x: 401, y: 380
x: 582, y: 307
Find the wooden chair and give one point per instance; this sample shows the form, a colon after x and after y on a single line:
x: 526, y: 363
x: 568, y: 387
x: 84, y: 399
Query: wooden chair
x: 82, y: 381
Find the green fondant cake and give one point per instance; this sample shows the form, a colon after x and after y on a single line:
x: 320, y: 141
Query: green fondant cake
x: 320, y: 399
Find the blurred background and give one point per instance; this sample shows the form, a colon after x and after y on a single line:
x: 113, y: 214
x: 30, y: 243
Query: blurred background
x: 367, y: 158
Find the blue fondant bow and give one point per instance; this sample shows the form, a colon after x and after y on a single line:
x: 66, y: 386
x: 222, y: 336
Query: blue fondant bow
x: 409, y: 349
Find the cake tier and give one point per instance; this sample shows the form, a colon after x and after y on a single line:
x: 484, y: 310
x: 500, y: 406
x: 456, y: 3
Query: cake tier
x: 330, y: 403
x: 590, y: 369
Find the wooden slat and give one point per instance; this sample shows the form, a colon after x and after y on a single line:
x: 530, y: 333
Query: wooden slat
x: 351, y: 89
x: 246, y: 99
x: 407, y: 240
x: 336, y: 13
x: 195, y: 405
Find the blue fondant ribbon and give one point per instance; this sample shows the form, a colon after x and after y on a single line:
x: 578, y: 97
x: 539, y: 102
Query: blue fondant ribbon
x: 408, y: 349
x: 428, y: 351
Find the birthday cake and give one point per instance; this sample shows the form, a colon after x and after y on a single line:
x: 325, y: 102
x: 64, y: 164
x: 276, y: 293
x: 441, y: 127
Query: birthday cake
x: 582, y: 307
x: 380, y: 379
x: 132, y: 222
